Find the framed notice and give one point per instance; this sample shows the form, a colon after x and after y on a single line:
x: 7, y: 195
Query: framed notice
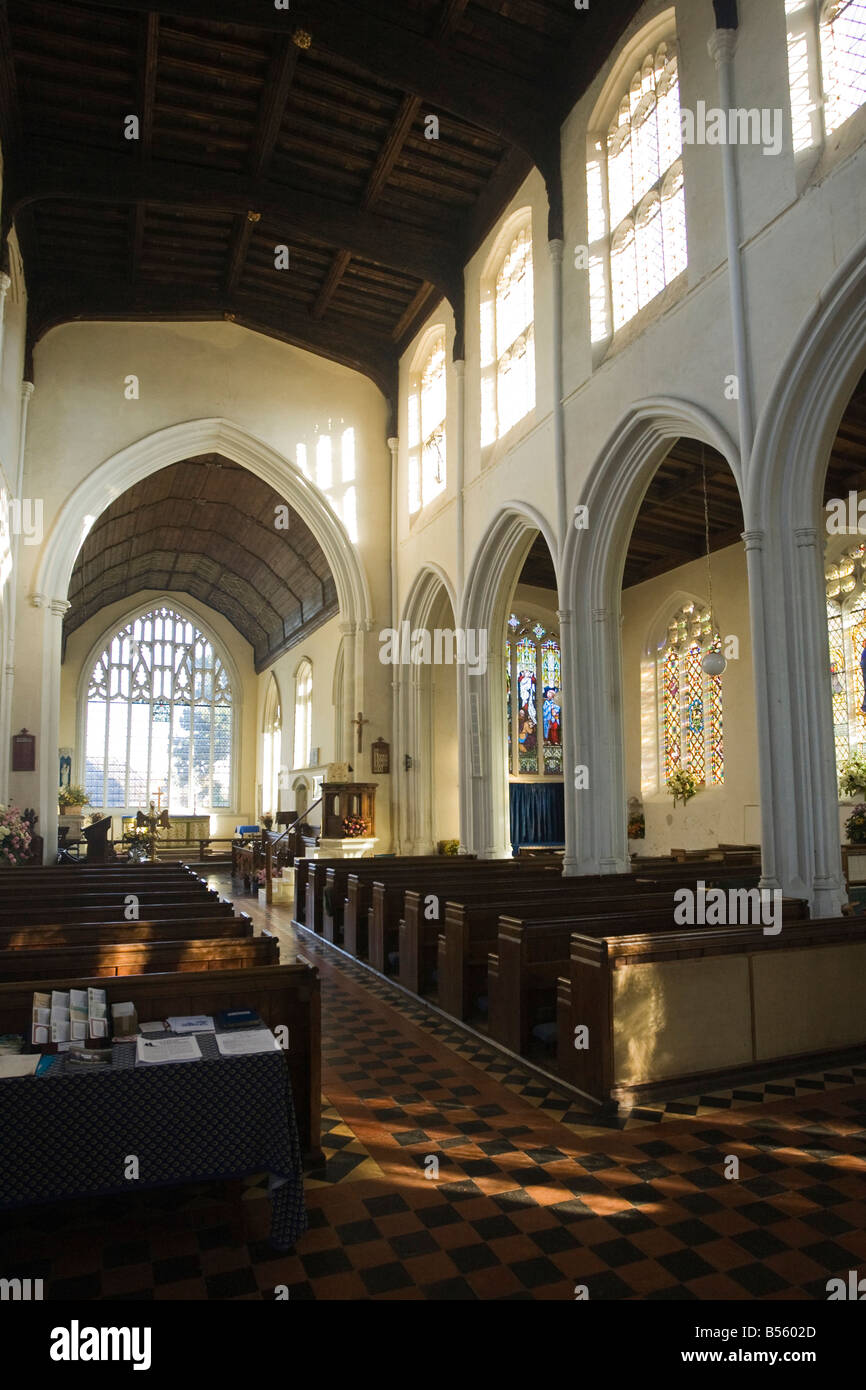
x: 23, y: 752
x: 380, y: 756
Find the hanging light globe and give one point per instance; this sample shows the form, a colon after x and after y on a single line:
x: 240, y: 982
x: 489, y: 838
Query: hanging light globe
x: 714, y: 663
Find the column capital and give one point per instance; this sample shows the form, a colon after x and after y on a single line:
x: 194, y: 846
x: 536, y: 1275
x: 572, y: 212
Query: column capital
x: 754, y: 540
x: 805, y: 536
x: 59, y: 606
x: 5, y: 284
x: 27, y: 389
x: 722, y: 46
x: 348, y: 629
x: 564, y: 616
x: 393, y: 442
x: 600, y: 615
x: 459, y: 366
x: 556, y: 247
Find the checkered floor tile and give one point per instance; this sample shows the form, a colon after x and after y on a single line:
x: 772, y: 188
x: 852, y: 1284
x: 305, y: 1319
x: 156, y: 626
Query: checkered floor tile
x: 452, y: 1172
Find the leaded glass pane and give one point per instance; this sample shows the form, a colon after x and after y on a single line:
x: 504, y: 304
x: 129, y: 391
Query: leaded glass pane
x: 527, y: 718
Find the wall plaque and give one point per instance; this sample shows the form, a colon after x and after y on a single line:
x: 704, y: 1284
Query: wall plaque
x: 23, y: 752
x: 380, y: 756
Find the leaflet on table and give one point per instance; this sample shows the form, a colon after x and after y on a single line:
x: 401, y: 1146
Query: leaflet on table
x: 154, y: 1051
x: 40, y: 1031
x: 78, y: 1014
x: 241, y: 1044
x: 97, y: 1014
x: 191, y: 1023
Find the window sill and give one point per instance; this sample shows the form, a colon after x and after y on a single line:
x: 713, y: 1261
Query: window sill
x: 492, y: 453
x: 418, y: 520
x: 608, y: 348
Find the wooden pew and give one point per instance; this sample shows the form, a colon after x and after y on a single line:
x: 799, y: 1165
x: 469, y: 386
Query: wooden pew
x: 92, y: 912
x: 140, y: 958
x: 734, y: 1001
x: 470, y: 927
x: 14, y: 938
x: 286, y: 996
x: 532, y: 954
x: 52, y: 898
x: 316, y: 874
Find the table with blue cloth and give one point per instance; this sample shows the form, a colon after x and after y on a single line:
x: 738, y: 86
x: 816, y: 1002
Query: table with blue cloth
x: 70, y: 1132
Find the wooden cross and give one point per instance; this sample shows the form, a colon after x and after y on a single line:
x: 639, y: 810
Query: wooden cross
x: 360, y: 721
x: 159, y: 798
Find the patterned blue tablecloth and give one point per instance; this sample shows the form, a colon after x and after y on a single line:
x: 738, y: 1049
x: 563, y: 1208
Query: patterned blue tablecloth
x: 72, y: 1132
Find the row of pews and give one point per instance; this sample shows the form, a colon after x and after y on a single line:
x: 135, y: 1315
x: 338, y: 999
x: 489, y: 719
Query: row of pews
x: 596, y: 973
x: 155, y: 934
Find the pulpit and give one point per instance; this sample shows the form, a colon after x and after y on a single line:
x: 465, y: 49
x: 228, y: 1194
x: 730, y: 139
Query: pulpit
x: 348, y: 820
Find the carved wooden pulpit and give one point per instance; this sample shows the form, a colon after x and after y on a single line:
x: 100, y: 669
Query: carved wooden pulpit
x: 348, y: 799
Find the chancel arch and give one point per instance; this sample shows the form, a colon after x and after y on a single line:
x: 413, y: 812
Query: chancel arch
x: 122, y: 471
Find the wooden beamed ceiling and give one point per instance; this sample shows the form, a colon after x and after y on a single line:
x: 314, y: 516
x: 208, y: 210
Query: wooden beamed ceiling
x: 259, y: 127
x: 208, y: 528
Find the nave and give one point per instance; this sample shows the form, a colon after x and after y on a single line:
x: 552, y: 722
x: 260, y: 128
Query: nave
x: 534, y: 1196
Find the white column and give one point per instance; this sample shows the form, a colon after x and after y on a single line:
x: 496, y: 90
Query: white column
x: 555, y: 249
x: 5, y: 283
x: 349, y: 707
x: 393, y: 796
x: 761, y: 623
x: 569, y: 865
x: 460, y: 585
x: 10, y: 599
x: 52, y: 610
x: 722, y: 47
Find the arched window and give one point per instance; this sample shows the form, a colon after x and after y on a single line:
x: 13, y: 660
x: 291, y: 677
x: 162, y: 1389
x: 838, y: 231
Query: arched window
x: 159, y: 718
x: 303, y: 713
x: 272, y: 743
x: 533, y: 663
x: 427, y: 410
x: 637, y: 210
x: 508, y: 338
x: 690, y: 701
x: 846, y: 627
x: 826, y: 66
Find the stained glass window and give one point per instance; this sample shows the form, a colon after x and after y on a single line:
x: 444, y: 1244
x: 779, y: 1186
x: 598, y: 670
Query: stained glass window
x: 826, y: 66
x: 303, y: 713
x: 508, y: 341
x: 639, y: 235
x: 159, y: 718
x: 689, y: 701
x: 533, y: 665
x: 846, y: 632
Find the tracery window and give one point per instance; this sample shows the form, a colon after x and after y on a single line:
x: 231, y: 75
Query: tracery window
x: 533, y: 663
x: 508, y: 341
x: 637, y: 211
x: 159, y: 717
x: 846, y: 630
x: 427, y: 410
x: 690, y: 701
x: 303, y: 714
x: 826, y: 66
x: 271, y: 750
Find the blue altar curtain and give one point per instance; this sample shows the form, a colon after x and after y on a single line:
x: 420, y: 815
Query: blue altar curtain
x: 537, y: 813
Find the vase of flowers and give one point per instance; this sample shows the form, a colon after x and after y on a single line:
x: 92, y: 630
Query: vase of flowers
x: 138, y: 839
x: 637, y: 827
x: 855, y: 825
x: 71, y: 799
x: 852, y: 775
x: 682, y: 785
x: 354, y: 827
x: 15, y: 836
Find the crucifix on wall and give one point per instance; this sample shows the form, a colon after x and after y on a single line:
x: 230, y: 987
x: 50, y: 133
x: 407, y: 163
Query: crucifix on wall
x: 360, y: 721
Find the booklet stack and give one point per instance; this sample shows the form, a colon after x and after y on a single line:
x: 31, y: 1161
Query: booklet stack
x: 151, y: 1052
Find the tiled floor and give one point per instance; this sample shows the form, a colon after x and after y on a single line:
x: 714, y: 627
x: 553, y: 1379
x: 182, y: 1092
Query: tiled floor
x: 453, y: 1173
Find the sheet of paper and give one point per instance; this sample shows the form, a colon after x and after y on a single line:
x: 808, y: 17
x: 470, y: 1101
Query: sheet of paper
x: 191, y: 1023
x: 19, y: 1064
x: 157, y: 1051
x: 242, y: 1043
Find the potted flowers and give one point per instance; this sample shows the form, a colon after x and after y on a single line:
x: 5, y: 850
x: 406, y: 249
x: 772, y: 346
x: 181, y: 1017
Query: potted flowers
x: 855, y: 825
x: 71, y: 799
x: 354, y: 827
x: 15, y: 836
x: 852, y: 775
x: 682, y: 785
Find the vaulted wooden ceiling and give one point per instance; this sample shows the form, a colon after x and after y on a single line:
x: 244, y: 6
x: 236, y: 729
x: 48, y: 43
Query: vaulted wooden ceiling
x: 259, y: 127
x: 208, y: 528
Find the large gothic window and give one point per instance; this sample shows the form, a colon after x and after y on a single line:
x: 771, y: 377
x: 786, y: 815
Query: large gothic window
x: 427, y: 408
x: 826, y: 66
x: 159, y: 718
x: 690, y: 701
x: 846, y: 625
x: 272, y: 740
x: 303, y: 713
x: 637, y: 211
x: 508, y: 340
x: 533, y: 665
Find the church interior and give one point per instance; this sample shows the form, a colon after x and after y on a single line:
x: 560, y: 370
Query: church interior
x: 433, y: 651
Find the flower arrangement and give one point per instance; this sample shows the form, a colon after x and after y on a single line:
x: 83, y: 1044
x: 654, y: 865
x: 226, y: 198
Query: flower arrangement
x: 855, y: 825
x: 354, y: 827
x: 449, y: 847
x: 682, y: 785
x: 852, y: 775
x: 15, y: 834
x: 637, y: 827
x: 262, y: 877
x: 71, y: 797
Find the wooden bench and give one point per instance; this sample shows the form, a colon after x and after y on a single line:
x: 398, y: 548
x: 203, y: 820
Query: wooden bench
x: 106, y: 897
x: 93, y: 912
x: 695, y: 1007
x: 140, y: 957
x: 14, y: 938
x: 285, y: 996
x: 532, y: 954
